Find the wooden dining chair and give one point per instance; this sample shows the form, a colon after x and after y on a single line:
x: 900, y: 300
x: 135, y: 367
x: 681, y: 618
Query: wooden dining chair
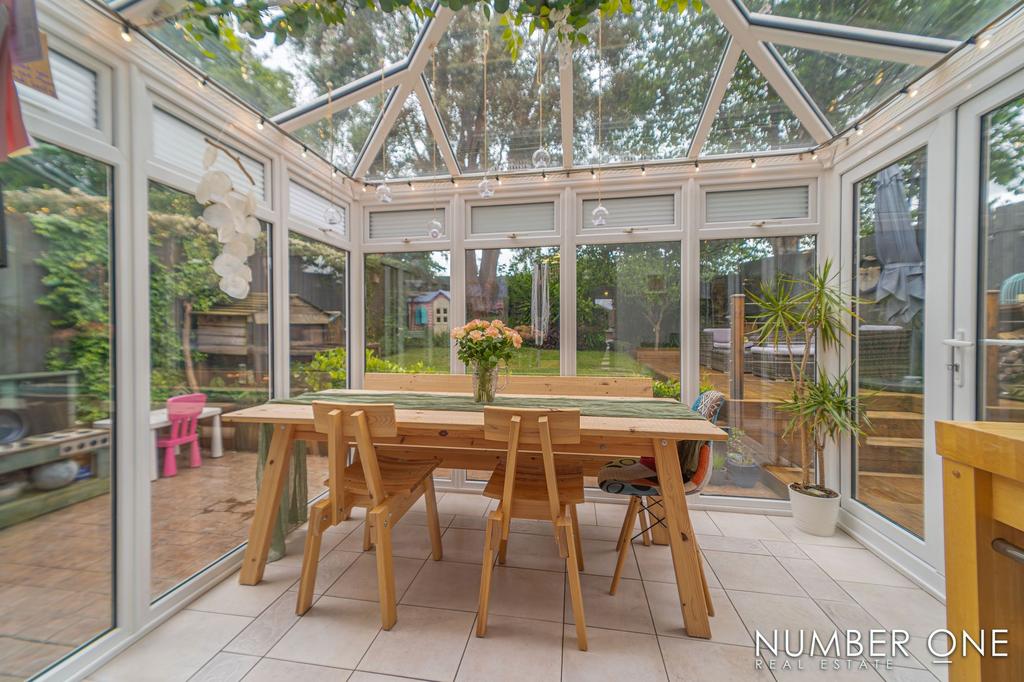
x: 638, y: 478
x: 528, y: 489
x: 385, y: 486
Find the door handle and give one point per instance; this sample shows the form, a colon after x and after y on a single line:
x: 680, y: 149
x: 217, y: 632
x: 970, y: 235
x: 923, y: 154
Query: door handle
x: 959, y: 343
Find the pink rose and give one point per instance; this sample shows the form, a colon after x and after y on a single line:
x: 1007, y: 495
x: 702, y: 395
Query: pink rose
x: 476, y: 335
x: 498, y: 323
x: 492, y: 332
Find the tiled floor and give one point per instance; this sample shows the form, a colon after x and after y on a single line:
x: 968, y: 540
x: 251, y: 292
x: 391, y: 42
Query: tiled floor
x: 763, y: 574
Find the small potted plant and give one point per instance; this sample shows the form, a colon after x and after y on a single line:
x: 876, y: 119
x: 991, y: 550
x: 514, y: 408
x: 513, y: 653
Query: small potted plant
x: 484, y: 347
x: 811, y: 312
x: 743, y: 470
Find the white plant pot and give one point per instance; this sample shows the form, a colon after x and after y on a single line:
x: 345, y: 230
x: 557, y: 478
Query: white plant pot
x: 813, y: 514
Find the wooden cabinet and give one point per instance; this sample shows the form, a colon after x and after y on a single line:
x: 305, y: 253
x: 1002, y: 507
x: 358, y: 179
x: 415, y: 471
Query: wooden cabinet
x: 983, y: 508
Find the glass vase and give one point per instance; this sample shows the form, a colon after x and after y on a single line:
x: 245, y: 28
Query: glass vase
x: 485, y: 383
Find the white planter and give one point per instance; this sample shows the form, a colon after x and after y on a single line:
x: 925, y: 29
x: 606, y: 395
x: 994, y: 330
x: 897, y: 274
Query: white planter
x: 813, y: 514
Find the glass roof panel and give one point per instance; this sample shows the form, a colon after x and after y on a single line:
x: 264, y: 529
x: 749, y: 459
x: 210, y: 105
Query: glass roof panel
x: 955, y: 19
x: 513, y: 96
x: 846, y: 87
x: 753, y: 118
x: 345, y: 135
x: 657, y: 70
x: 411, y: 150
x: 275, y: 78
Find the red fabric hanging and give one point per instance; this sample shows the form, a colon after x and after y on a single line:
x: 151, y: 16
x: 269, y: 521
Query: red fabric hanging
x: 15, y: 136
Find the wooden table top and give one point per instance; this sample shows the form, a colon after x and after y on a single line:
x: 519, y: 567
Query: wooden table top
x: 473, y: 422
x: 997, y: 447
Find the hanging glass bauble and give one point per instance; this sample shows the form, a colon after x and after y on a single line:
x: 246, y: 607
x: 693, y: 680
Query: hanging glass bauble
x: 541, y: 158
x: 434, y: 228
x: 599, y: 216
x: 486, y: 188
x: 332, y: 216
x: 384, y: 193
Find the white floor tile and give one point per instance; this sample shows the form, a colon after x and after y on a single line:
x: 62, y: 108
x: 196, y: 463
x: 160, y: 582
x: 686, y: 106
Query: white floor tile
x: 466, y: 504
x: 855, y: 565
x: 533, y: 551
x: 419, y: 518
x: 445, y: 585
x: 466, y: 546
x: 273, y: 670
x: 534, y: 527
x: 262, y: 634
x: 335, y: 633
x: 407, y: 540
x: 526, y: 593
x: 725, y: 543
x: 726, y: 626
x: 514, y: 649
x: 330, y: 568
x: 784, y: 548
x: 600, y: 557
x: 919, y: 648
x: 468, y: 522
x: 691, y: 660
x: 606, y: 533
x: 766, y: 613
x: 739, y: 525
x: 655, y: 564
x: 626, y: 610
x: 702, y: 523
x: 612, y: 656
x: 788, y: 526
x: 587, y: 514
x: 910, y: 609
x: 425, y: 644
x: 753, y: 573
x: 897, y: 674
x: 609, y: 514
x: 814, y: 580
x: 363, y: 676
x: 360, y: 580
x: 176, y: 650
x: 248, y: 600
x: 225, y: 667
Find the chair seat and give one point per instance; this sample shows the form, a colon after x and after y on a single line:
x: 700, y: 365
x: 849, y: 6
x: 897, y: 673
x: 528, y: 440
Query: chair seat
x: 639, y: 477
x: 398, y: 476
x: 530, y: 484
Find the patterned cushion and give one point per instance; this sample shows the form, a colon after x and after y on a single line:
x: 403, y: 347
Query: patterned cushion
x: 637, y: 476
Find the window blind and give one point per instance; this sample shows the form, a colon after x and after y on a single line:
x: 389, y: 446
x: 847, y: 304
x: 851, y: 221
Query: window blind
x: 408, y: 224
x: 744, y: 205
x: 76, y: 87
x: 638, y: 212
x: 310, y: 207
x: 505, y: 218
x: 178, y: 144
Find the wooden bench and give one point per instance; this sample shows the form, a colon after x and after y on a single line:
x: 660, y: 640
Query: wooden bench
x: 621, y: 387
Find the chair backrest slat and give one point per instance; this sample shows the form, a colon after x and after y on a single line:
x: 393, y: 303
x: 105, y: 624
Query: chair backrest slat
x: 341, y: 421
x: 621, y: 387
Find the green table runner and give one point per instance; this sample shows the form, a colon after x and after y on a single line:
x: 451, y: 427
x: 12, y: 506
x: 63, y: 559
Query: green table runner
x: 293, y: 511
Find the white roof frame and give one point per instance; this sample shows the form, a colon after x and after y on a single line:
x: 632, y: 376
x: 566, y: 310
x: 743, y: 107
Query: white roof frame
x: 751, y: 32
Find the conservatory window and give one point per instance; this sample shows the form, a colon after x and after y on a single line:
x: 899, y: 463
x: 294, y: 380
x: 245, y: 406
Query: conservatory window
x: 401, y: 292
x: 627, y: 312
x: 757, y: 461
x: 202, y: 342
x: 56, y: 393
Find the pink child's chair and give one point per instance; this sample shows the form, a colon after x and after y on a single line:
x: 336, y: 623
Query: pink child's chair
x: 183, y: 412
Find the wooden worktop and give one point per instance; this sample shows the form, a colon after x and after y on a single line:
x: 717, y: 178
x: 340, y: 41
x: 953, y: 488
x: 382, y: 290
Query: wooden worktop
x: 996, y: 447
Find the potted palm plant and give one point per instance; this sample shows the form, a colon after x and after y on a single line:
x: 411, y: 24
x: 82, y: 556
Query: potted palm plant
x: 799, y: 315
x: 743, y: 469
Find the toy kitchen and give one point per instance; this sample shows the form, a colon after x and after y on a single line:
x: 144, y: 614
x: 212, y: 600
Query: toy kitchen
x: 47, y: 459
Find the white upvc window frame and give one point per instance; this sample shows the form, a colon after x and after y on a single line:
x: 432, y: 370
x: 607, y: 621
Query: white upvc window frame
x: 789, y: 225
x: 511, y: 238
x: 423, y: 242
x: 602, y: 235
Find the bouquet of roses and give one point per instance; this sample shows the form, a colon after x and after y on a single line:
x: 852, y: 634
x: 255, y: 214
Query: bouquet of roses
x: 485, y: 344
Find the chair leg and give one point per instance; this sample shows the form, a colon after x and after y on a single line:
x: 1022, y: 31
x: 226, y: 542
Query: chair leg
x: 627, y: 523
x: 170, y: 462
x: 385, y: 568
x: 576, y: 534
x: 575, y: 589
x: 632, y: 514
x: 645, y: 524
x: 433, y: 523
x: 196, y: 459
x: 492, y: 538
x: 367, y: 533
x: 703, y: 579
x: 502, y: 548
x: 311, y: 556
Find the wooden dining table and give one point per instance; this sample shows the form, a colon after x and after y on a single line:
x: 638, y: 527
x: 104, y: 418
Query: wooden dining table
x: 457, y: 439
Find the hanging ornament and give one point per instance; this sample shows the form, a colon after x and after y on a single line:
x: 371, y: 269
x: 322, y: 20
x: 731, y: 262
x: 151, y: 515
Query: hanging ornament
x: 486, y: 188
x: 384, y: 195
x: 599, y: 216
x: 541, y: 158
x: 434, y: 228
x: 332, y: 216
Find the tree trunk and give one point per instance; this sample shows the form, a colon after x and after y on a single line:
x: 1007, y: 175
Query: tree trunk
x: 186, y: 348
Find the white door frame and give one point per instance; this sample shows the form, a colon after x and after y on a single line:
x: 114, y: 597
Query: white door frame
x: 968, y: 213
x: 937, y: 138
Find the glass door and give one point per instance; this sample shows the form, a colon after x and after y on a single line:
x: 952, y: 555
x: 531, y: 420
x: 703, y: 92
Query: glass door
x: 988, y: 345
x: 898, y: 231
